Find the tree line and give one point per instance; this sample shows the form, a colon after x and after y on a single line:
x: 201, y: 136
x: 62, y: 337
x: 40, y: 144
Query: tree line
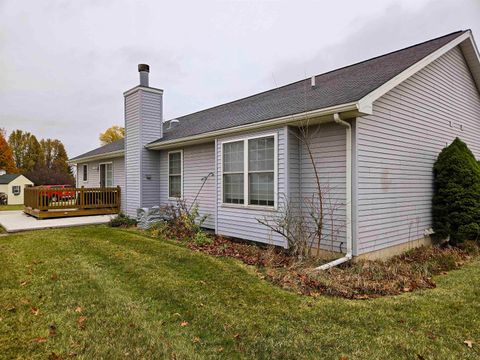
x: 44, y: 162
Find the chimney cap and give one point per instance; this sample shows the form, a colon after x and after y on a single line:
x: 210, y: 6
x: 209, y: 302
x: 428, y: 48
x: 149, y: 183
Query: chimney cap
x: 143, y: 67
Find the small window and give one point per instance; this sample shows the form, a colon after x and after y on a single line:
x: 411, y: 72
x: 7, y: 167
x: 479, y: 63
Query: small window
x: 175, y: 174
x: 233, y: 174
x: 85, y: 172
x: 16, y: 189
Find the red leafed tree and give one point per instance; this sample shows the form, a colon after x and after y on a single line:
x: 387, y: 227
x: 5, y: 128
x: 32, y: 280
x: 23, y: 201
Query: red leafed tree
x: 6, y: 155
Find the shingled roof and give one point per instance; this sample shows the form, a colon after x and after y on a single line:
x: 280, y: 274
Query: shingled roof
x: 105, y: 149
x: 8, y: 178
x: 341, y: 86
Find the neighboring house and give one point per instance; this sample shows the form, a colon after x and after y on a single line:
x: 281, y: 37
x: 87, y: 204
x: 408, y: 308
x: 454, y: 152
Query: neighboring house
x: 377, y: 127
x: 14, y: 185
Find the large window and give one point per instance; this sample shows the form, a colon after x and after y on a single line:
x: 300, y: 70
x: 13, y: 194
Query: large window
x: 259, y: 175
x: 175, y: 174
x: 85, y: 172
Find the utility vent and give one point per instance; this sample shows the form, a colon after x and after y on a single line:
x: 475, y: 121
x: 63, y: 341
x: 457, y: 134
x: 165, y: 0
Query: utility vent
x: 312, y: 81
x: 173, y: 123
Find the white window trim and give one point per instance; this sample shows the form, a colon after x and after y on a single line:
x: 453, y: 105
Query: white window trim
x: 246, y: 199
x: 83, y: 167
x: 19, y: 192
x: 181, y: 174
x: 100, y: 169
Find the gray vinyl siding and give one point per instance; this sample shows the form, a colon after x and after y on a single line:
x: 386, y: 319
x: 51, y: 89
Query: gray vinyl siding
x: 198, y: 162
x: 151, y: 130
x: 328, y: 146
x: 293, y: 166
x: 132, y: 153
x: 93, y: 175
x: 239, y: 221
x: 143, y: 124
x: 398, y: 144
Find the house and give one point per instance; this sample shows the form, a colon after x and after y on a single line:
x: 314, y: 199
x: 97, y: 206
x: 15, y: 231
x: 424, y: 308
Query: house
x: 376, y: 128
x: 14, y: 185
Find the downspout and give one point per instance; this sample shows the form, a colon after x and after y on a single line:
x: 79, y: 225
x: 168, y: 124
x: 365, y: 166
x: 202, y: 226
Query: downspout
x: 348, y: 255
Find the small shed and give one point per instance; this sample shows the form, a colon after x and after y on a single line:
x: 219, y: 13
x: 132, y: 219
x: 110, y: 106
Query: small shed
x: 14, y: 185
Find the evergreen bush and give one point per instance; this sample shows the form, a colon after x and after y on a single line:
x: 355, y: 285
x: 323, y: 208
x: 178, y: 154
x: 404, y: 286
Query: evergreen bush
x: 456, y: 199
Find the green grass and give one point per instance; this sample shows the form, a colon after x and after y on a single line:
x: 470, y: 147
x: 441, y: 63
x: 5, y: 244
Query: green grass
x: 135, y: 292
x: 10, y: 207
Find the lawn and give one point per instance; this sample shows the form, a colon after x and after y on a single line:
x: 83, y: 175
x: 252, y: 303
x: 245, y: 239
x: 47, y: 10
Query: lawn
x: 10, y: 207
x: 97, y: 292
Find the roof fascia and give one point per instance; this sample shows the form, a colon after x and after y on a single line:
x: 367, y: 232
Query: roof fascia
x: 368, y: 99
x: 352, y: 109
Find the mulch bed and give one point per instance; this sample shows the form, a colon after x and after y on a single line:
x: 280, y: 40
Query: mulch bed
x: 408, y: 272
x: 250, y: 254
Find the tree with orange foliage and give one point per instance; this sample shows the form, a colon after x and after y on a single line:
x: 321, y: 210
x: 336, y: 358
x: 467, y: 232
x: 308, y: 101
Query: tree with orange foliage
x: 6, y: 155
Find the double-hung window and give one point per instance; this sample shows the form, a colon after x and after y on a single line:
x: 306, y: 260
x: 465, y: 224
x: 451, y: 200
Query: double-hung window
x: 261, y: 171
x: 175, y: 167
x: 249, y: 171
x: 233, y: 172
x: 16, y: 189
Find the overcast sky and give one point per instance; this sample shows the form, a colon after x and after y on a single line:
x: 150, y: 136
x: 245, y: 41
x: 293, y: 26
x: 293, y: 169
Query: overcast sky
x: 65, y: 64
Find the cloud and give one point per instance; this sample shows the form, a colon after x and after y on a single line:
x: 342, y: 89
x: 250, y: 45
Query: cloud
x: 65, y: 64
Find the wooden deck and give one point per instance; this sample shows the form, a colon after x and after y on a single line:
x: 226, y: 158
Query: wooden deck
x: 44, y: 203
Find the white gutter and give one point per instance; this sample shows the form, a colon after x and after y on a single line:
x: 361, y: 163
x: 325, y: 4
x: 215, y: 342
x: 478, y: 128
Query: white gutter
x: 348, y: 255
x: 108, y: 155
x: 284, y: 120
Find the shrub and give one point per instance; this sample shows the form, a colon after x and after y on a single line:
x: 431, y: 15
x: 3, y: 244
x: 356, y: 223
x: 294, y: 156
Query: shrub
x: 202, y: 239
x: 456, y: 199
x: 184, y: 222
x: 122, y: 220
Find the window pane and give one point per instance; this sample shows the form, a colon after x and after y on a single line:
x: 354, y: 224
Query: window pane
x: 233, y: 157
x: 261, y: 154
x: 175, y: 163
x: 175, y: 186
x: 261, y: 189
x: 109, y: 175
x: 85, y: 169
x: 233, y: 189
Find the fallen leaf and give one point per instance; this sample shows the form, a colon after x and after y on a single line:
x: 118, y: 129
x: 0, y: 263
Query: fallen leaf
x: 52, y: 330
x: 40, y: 340
x: 469, y: 343
x: 12, y: 309
x: 78, y: 309
x: 81, y: 322
x: 54, y: 276
x: 35, y: 311
x: 196, y: 340
x: 184, y: 323
x: 406, y: 289
x: 23, y: 283
x: 54, y: 356
x: 25, y: 301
